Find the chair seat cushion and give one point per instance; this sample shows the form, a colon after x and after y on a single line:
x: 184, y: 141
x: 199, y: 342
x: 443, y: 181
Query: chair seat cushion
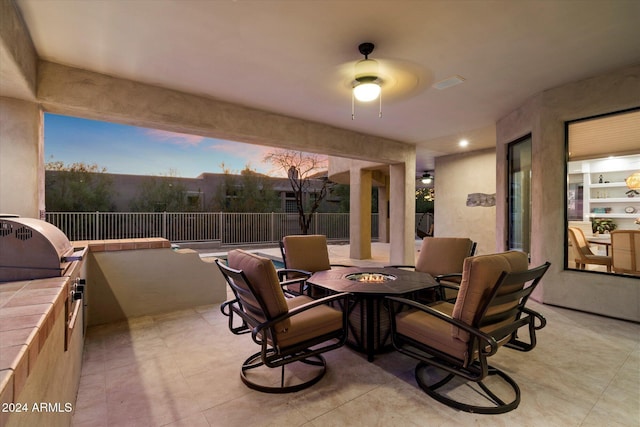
x: 599, y: 259
x: 309, y: 324
x: 432, y: 331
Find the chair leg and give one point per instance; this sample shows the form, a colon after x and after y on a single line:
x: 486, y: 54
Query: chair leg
x: 497, y: 404
x: 312, y: 376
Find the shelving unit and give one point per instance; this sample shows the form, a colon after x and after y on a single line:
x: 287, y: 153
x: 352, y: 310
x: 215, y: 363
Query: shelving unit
x: 604, y: 188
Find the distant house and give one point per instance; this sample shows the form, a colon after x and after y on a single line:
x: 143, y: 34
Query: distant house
x: 200, y: 193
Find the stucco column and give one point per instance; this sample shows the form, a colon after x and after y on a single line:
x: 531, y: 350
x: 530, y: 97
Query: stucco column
x: 21, y: 158
x: 360, y: 214
x: 402, y: 207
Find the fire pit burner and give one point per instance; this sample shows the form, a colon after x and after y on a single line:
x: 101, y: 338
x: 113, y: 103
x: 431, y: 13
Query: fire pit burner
x: 370, y: 277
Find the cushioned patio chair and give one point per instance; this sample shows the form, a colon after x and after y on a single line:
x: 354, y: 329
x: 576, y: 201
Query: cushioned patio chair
x: 625, y: 251
x: 307, y: 254
x: 288, y: 330
x: 442, y: 258
x: 454, y: 341
x: 582, y: 251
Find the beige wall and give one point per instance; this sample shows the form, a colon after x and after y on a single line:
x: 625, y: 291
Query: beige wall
x: 131, y: 283
x: 21, y: 158
x: 456, y: 177
x: 544, y: 116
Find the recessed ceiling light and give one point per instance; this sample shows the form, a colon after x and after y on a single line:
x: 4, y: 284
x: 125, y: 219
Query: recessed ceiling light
x: 448, y: 82
x: 463, y: 143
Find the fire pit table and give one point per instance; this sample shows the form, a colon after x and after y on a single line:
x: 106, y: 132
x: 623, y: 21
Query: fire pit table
x: 369, y: 328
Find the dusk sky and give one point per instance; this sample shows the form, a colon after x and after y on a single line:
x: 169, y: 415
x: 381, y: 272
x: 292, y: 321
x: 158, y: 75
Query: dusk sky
x: 123, y: 149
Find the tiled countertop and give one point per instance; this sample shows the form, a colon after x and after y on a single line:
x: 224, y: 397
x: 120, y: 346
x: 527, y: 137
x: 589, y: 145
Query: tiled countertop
x: 28, y: 310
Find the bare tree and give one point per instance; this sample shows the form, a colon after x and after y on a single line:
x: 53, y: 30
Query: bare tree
x: 304, y: 172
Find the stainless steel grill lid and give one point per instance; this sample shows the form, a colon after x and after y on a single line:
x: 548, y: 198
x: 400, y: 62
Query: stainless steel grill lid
x: 32, y: 249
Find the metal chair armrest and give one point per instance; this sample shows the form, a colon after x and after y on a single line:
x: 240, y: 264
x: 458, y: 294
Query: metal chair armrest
x: 535, y: 315
x: 440, y: 277
x: 283, y: 272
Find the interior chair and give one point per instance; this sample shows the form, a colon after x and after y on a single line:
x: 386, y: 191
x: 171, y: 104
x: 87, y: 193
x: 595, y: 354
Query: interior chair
x: 442, y: 258
x: 453, y: 341
x: 292, y: 332
x: 304, y: 254
x: 625, y: 251
x: 582, y: 251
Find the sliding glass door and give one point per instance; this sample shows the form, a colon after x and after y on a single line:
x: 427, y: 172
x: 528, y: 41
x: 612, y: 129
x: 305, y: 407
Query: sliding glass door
x: 519, y: 203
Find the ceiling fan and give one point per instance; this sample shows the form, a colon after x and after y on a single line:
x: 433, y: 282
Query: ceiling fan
x: 427, y: 178
x: 369, y: 79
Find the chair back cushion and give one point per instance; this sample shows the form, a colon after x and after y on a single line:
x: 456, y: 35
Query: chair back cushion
x: 263, y: 279
x: 479, y: 276
x: 308, y: 252
x: 580, y: 241
x: 625, y: 251
x: 443, y: 255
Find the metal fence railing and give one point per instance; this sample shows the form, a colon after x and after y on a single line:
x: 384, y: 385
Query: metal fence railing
x: 223, y: 227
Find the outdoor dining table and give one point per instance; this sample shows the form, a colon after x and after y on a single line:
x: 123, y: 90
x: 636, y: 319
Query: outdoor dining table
x: 369, y: 322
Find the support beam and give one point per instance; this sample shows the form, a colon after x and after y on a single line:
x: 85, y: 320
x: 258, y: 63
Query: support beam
x: 402, y: 209
x: 21, y: 158
x: 86, y: 94
x: 360, y: 214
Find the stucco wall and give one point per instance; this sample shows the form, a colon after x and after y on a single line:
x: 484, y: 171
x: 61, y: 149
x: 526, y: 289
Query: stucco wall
x: 21, y: 158
x: 544, y: 116
x: 132, y: 283
x: 456, y: 177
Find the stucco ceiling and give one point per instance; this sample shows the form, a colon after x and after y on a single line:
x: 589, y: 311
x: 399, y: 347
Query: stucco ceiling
x: 296, y: 57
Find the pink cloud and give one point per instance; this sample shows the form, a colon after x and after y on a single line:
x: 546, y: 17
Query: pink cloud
x: 174, y: 137
x: 249, y: 153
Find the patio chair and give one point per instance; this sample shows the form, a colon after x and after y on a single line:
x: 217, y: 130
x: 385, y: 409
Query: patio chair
x: 625, y: 251
x: 443, y: 257
x: 454, y: 341
x: 288, y: 330
x: 582, y: 251
x: 306, y: 254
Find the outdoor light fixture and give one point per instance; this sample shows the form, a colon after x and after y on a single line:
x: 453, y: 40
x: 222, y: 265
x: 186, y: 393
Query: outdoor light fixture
x: 427, y: 178
x: 367, y: 83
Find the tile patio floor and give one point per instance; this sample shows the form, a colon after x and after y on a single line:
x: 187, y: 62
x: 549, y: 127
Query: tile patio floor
x: 182, y: 369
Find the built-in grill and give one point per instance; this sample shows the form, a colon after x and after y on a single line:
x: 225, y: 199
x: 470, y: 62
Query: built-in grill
x: 34, y: 249
x: 31, y: 249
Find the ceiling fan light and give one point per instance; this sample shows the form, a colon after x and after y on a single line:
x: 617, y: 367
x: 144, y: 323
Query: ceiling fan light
x: 367, y: 91
x: 427, y: 178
